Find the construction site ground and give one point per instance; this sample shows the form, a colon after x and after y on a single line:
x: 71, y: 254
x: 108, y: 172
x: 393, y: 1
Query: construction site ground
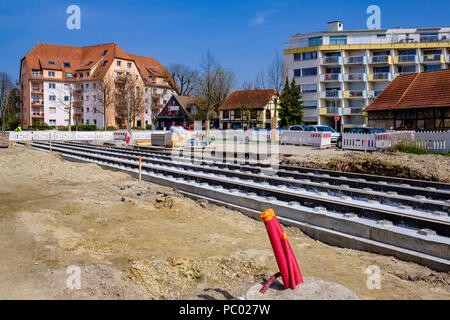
x: 141, y: 241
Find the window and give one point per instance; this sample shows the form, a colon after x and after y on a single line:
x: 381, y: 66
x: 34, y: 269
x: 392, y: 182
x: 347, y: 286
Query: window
x: 87, y: 98
x: 433, y: 67
x: 254, y: 114
x: 309, y: 55
x: 81, y: 75
x: 88, y: 64
x: 51, y: 62
x: 66, y: 64
x: 104, y: 52
x: 87, y: 74
x: 51, y: 86
x: 52, y: 110
x: 51, y: 74
x: 297, y: 73
x: 66, y: 98
x: 119, y: 63
x: 52, y: 98
x: 429, y: 37
x: 94, y: 86
x: 381, y: 36
x: 309, y: 72
x: 297, y: 56
x: 52, y: 122
x: 87, y: 121
x: 309, y: 88
x: 310, y: 104
x: 87, y: 109
x: 86, y: 85
x: 316, y: 41
x: 237, y: 114
x: 225, y: 114
x: 95, y: 121
x: 104, y: 63
x: 129, y: 64
x: 268, y: 114
x: 69, y: 75
x: 338, y: 40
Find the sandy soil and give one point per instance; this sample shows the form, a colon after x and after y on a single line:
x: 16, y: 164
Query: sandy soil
x: 141, y: 241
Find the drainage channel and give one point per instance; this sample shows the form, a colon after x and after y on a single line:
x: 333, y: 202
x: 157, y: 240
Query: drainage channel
x: 409, y: 196
x: 387, y: 232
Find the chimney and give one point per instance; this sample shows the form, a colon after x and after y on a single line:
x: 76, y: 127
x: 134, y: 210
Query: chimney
x: 335, y: 26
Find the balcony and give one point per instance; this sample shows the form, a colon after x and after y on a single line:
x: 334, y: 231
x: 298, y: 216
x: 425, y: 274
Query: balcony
x: 38, y: 115
x: 381, y: 60
x: 352, y: 111
x: 433, y: 58
x: 356, y: 60
x: 37, y: 75
x: 406, y: 59
x: 331, y: 77
x: 158, y: 95
x: 380, y: 77
x: 37, y: 103
x: 77, y: 92
x: 37, y: 90
x: 331, y: 60
x: 120, y: 79
x: 355, y: 77
x: 78, y: 115
x: 405, y: 73
x: 78, y: 104
x: 375, y: 93
x: 328, y: 111
x: 159, y: 106
x: 355, y: 94
x: 331, y: 94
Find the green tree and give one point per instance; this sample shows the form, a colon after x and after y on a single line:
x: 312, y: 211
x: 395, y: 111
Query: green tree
x: 12, y: 110
x: 291, y: 105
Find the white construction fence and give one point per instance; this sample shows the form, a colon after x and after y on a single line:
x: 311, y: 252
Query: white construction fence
x: 315, y: 139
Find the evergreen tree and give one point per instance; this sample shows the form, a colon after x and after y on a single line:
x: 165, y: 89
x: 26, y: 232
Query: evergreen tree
x: 291, y: 105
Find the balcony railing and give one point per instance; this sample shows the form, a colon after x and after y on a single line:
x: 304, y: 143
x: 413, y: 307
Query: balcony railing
x: 121, y: 79
x: 352, y: 111
x: 332, y: 77
x: 381, y: 59
x: 375, y: 93
x: 159, y: 106
x: 37, y: 103
x: 77, y: 92
x: 406, y: 59
x: 356, y: 60
x: 38, y: 114
x: 78, y: 115
x: 37, y: 90
x: 331, y: 94
x: 405, y: 73
x: 355, y: 77
x: 355, y: 94
x: 331, y: 60
x: 433, y: 58
x: 380, y: 77
x: 157, y: 95
x: 78, y: 104
x: 37, y: 75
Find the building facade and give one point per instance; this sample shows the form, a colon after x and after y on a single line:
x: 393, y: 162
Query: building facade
x: 179, y: 111
x: 341, y: 72
x: 248, y: 109
x: 58, y: 81
x: 419, y: 102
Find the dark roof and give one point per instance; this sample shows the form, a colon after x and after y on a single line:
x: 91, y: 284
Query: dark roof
x: 248, y: 99
x: 419, y: 90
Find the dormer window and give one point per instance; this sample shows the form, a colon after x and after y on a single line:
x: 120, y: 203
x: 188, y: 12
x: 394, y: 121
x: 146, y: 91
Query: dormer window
x: 119, y: 63
x: 69, y: 75
x: 104, y: 63
x: 104, y: 52
x: 89, y: 63
x: 51, y: 62
x: 66, y: 65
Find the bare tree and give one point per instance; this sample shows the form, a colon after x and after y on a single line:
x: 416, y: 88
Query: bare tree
x: 6, y: 85
x: 181, y: 79
x: 260, y: 80
x: 130, y: 101
x: 104, y: 99
x: 65, y: 97
x: 214, y: 83
x: 276, y: 72
x: 247, y: 85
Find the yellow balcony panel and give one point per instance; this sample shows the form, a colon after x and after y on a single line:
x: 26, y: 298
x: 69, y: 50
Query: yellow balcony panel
x: 323, y: 111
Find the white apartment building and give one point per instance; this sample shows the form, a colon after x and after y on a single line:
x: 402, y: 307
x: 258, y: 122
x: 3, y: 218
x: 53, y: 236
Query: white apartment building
x: 341, y: 72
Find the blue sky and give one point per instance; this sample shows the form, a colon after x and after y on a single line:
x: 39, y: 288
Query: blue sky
x: 243, y: 35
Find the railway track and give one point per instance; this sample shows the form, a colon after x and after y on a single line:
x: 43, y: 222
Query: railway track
x: 409, y: 221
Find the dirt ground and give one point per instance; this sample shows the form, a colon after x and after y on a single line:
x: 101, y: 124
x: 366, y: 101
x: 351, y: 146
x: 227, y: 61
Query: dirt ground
x: 387, y: 163
x: 141, y: 241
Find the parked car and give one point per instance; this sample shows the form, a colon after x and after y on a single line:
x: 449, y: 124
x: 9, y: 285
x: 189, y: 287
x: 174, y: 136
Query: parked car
x: 334, y: 135
x: 360, y: 130
x: 297, y: 128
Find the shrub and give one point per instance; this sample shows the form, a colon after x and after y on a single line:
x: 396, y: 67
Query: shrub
x: 84, y: 127
x: 137, y: 128
x: 111, y: 128
x: 148, y: 127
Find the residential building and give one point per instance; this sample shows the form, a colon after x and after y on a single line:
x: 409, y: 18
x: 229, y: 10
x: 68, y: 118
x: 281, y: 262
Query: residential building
x: 55, y: 78
x: 418, y: 102
x: 340, y: 72
x: 248, y: 109
x: 178, y: 111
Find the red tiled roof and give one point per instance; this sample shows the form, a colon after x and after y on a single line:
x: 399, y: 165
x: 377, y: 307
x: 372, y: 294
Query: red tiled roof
x: 248, y: 99
x: 420, y: 90
x: 85, y: 59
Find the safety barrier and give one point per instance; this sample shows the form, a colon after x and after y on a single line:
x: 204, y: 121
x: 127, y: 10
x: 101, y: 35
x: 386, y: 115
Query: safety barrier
x: 315, y: 139
x: 141, y: 135
x: 438, y: 142
x: 359, y: 141
x: 119, y: 135
x: 382, y: 140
